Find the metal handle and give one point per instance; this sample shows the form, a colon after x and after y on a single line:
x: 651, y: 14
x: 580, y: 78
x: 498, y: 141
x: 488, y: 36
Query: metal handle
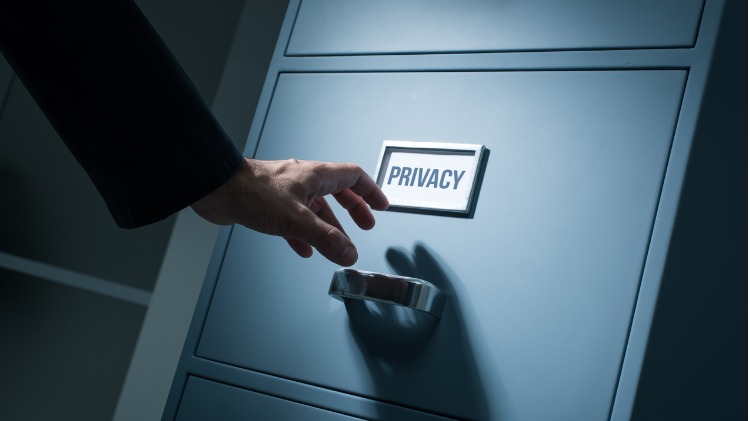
x: 390, y: 289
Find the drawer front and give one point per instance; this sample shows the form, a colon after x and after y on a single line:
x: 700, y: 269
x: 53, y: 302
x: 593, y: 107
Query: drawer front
x: 541, y: 281
x: 205, y: 400
x: 335, y: 27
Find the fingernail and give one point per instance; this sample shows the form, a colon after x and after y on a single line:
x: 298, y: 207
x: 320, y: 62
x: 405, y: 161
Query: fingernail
x: 349, y: 256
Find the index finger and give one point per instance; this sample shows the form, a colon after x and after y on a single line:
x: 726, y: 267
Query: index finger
x: 337, y: 177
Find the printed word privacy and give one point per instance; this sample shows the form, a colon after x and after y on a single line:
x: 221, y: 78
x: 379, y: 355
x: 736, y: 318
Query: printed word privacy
x: 421, y: 177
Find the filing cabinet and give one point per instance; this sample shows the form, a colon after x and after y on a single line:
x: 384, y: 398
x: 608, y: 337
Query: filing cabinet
x: 205, y: 399
x: 550, y: 281
x: 342, y: 27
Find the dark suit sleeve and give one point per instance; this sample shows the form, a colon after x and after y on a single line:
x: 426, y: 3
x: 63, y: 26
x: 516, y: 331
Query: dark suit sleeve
x: 121, y: 103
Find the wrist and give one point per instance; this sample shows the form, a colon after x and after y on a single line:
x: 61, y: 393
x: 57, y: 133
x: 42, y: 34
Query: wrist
x: 214, y: 206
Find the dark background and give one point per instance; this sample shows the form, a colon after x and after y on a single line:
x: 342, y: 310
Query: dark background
x: 696, y: 361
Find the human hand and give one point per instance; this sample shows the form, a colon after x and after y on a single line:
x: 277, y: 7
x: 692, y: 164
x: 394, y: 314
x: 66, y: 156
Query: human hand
x: 286, y: 198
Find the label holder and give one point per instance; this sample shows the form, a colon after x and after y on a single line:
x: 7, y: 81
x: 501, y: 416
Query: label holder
x: 441, y: 199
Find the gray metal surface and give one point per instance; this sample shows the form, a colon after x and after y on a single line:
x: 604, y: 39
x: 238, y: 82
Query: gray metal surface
x: 333, y: 27
x: 542, y: 281
x: 207, y: 400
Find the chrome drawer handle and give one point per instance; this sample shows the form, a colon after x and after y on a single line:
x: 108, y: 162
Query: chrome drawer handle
x: 390, y: 289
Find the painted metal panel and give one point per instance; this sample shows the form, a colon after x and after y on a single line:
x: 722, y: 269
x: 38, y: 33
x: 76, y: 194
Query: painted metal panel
x: 207, y: 400
x: 335, y: 27
x: 541, y: 281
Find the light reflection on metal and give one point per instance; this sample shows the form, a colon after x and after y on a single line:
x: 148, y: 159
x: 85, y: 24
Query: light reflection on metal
x: 390, y: 289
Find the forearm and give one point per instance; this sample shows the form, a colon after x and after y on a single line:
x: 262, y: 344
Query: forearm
x: 120, y: 101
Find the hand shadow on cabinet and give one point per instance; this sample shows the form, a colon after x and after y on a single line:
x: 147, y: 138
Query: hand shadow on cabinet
x: 415, y: 359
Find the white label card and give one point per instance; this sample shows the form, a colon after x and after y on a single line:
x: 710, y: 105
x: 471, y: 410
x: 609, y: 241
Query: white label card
x: 429, y: 175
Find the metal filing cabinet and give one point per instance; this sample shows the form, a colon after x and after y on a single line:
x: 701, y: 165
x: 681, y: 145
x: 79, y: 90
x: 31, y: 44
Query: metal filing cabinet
x: 586, y: 110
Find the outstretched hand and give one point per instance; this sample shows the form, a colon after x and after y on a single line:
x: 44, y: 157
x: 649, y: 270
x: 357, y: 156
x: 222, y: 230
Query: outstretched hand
x: 286, y: 198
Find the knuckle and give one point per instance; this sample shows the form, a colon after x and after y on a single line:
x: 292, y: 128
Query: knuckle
x: 351, y: 167
x: 297, y: 187
x: 328, y: 238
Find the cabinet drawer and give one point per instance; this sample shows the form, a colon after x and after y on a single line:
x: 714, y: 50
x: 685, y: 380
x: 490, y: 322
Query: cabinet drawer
x: 541, y: 281
x: 207, y: 400
x: 335, y: 27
